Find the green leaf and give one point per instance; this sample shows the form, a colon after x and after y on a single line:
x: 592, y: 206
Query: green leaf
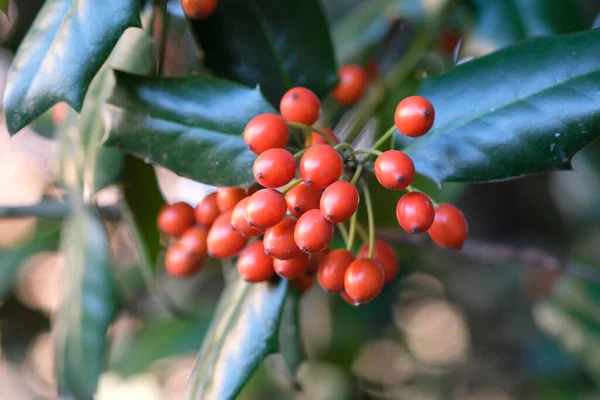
x: 501, y: 23
x: 243, y: 331
x: 191, y: 125
x: 45, y: 239
x: 62, y: 52
x: 275, y: 44
x: 169, y: 338
x: 290, y: 342
x: 88, y: 308
x: 525, y: 109
x: 4, y: 6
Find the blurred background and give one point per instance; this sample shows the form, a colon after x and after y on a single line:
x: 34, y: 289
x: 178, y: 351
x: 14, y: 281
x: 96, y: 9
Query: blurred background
x: 514, y: 316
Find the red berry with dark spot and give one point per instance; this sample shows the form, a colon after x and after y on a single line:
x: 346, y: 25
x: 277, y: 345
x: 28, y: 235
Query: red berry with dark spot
x: 385, y: 256
x: 333, y: 268
x: 415, y: 212
x: 320, y: 166
x: 254, y: 265
x: 302, y: 198
x: 266, y: 131
x: 274, y: 168
x: 313, y: 232
x: 174, y: 219
x: 449, y: 229
x: 292, y: 268
x: 228, y: 197
x: 279, y: 240
x: 414, y: 116
x: 222, y: 241
x: 239, y: 223
x: 265, y: 208
x: 364, y: 280
x: 394, y: 170
x: 339, y: 201
x: 300, y: 105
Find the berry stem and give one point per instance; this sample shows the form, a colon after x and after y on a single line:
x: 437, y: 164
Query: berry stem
x: 300, y: 153
x: 364, y: 236
x: 350, y: 242
x: 410, y: 188
x: 366, y: 151
x: 385, y: 137
x: 291, y: 185
x: 343, y: 231
x: 310, y: 129
x: 356, y: 176
x: 371, y: 219
x: 346, y: 146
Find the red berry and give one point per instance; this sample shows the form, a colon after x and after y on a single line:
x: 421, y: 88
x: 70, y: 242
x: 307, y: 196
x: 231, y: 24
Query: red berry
x: 174, y: 219
x: 292, y: 268
x: 339, y: 201
x: 394, y: 170
x: 266, y: 131
x: 316, y: 138
x: 449, y: 40
x: 274, y: 168
x: 194, y: 241
x: 449, y: 229
x: 279, y: 240
x: 349, y: 300
x: 265, y: 208
x: 333, y: 269
x: 300, y: 105
x: 320, y: 166
x: 315, y: 260
x: 364, y: 280
x: 228, y: 197
x: 180, y: 262
x: 224, y: 242
x: 302, y: 283
x: 207, y: 210
x: 302, y: 198
x: 198, y: 9
x: 385, y: 256
x: 352, y: 85
x: 239, y: 223
x: 313, y: 232
x: 254, y: 265
x: 415, y: 212
x: 414, y: 116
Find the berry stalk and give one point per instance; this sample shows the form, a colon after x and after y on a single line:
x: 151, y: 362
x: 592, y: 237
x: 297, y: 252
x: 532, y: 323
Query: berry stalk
x: 371, y: 219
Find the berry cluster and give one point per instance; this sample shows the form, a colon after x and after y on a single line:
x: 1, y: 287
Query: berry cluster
x: 284, y: 225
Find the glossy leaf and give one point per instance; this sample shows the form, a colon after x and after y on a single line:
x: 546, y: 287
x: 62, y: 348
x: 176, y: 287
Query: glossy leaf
x: 191, y: 126
x: 61, y: 53
x: 243, y: 331
x: 501, y: 23
x: 89, y: 305
x: 525, y: 109
x: 290, y: 342
x: 272, y: 43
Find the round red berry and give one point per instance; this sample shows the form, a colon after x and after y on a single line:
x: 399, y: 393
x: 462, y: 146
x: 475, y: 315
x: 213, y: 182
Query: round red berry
x: 266, y: 131
x: 222, y: 241
x: 194, y: 240
x: 279, y: 240
x: 180, y: 262
x: 239, y: 223
x: 317, y: 138
x: 315, y: 261
x: 414, y: 116
x: 415, y: 212
x: 292, y: 268
x: 350, y: 300
x: 302, y: 198
x: 364, y: 280
x: 174, y: 219
x: 254, y: 265
x: 320, y: 166
x: 265, y: 208
x: 352, y: 85
x: 394, y: 170
x: 198, y: 9
x: 385, y: 256
x: 339, y: 201
x: 274, y: 168
x: 228, y: 197
x: 333, y: 268
x: 300, y: 105
x: 449, y: 229
x: 207, y: 210
x: 302, y: 283
x: 313, y: 232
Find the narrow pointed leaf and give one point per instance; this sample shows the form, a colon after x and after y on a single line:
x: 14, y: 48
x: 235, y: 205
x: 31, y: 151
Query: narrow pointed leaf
x: 191, y: 126
x: 243, y: 331
x: 290, y: 342
x: 522, y: 110
x: 62, y: 52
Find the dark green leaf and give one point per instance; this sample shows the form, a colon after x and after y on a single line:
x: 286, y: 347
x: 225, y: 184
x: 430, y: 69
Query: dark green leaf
x: 243, y: 331
x: 46, y: 239
x: 89, y: 305
x: 169, y: 338
x: 275, y: 44
x: 62, y: 52
x: 501, y: 23
x: 191, y: 126
x: 522, y: 110
x: 290, y: 342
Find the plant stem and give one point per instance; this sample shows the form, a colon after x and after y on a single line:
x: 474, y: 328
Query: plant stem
x: 160, y: 12
x: 300, y: 153
x: 386, y: 135
x: 364, y: 236
x: 350, y: 242
x: 310, y: 129
x: 371, y: 219
x: 343, y: 231
x: 346, y: 146
x: 291, y: 185
x: 372, y: 152
x: 356, y: 176
x: 367, y: 108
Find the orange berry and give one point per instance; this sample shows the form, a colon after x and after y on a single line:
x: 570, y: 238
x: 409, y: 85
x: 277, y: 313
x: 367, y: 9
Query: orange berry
x: 239, y: 223
x: 254, y: 265
x: 385, y: 256
x: 207, y: 210
x: 349, y: 300
x: 332, y: 270
x: 394, y: 170
x: 180, y: 262
x: 265, y: 208
x: 274, y: 168
x: 291, y: 268
x: 302, y: 283
x: 364, y: 280
x: 313, y: 232
x: 339, y: 201
x: 300, y: 105
x: 414, y: 116
x: 228, y: 197
x: 415, y: 212
x: 316, y: 138
x: 198, y: 9
x: 279, y: 240
x: 320, y: 166
x: 352, y: 85
x: 194, y: 241
x: 302, y: 198
x: 449, y: 229
x: 315, y: 260
x: 174, y: 219
x: 224, y: 242
x: 266, y: 131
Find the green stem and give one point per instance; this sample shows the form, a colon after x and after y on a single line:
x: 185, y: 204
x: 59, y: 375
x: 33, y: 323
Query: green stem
x: 371, y: 219
x: 366, y: 151
x: 300, y: 153
x: 291, y: 185
x: 343, y: 146
x: 408, y: 62
x: 367, y: 108
x: 343, y: 231
x: 356, y: 176
x: 350, y: 242
x: 362, y: 233
x: 308, y: 128
x: 382, y: 139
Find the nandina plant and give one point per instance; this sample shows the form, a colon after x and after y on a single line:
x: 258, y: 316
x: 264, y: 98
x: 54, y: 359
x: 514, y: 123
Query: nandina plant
x: 299, y: 135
